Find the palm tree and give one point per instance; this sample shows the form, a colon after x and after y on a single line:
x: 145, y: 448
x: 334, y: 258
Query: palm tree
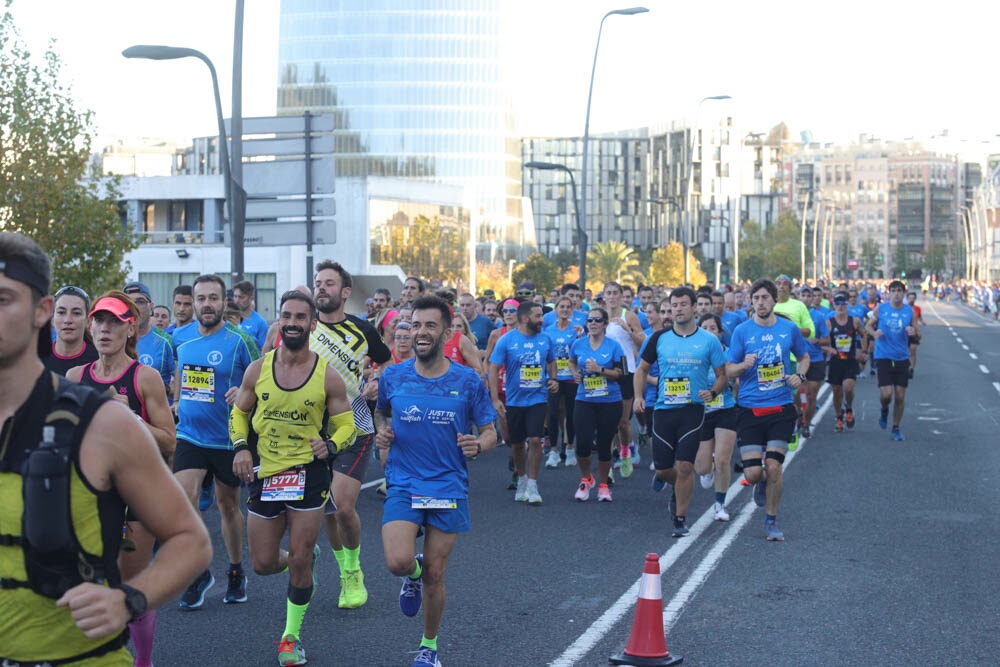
x: 613, y: 260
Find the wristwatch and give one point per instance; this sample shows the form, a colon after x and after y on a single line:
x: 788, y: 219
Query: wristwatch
x: 801, y: 376
x: 135, y: 601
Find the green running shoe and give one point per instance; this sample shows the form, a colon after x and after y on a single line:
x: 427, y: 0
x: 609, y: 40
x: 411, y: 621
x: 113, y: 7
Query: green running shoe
x: 290, y: 652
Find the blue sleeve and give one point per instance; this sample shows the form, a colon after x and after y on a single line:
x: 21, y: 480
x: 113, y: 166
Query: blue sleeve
x: 482, y: 407
x: 551, y: 356
x: 498, y: 355
x: 798, y: 345
x: 718, y: 356
x: 736, y: 351
x: 382, y: 402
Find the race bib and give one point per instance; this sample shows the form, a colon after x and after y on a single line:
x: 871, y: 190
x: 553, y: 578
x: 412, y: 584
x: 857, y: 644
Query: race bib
x: 842, y: 343
x: 562, y: 367
x: 285, y: 486
x: 595, y: 386
x: 676, y: 390
x: 531, y: 377
x: 770, y: 376
x: 428, y: 503
x: 198, y: 383
x: 716, y: 403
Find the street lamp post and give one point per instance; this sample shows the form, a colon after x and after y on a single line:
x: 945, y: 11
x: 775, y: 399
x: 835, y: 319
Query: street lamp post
x: 688, y: 197
x: 580, y: 231
x: 582, y: 211
x: 235, y: 196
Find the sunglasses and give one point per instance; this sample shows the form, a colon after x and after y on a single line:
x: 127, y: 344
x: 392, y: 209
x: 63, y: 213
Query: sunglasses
x: 837, y: 302
x: 73, y: 291
x: 596, y: 319
x: 509, y: 310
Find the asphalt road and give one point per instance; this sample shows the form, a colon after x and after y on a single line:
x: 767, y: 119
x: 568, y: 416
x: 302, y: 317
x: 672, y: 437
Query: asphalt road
x: 890, y: 554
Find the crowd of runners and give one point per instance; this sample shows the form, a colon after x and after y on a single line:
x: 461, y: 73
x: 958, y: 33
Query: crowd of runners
x: 698, y: 383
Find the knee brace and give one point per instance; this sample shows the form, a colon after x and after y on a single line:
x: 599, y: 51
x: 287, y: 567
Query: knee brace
x: 776, y: 456
x: 751, y: 463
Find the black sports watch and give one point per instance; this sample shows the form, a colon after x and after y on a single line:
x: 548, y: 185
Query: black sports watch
x: 135, y: 601
x: 802, y: 376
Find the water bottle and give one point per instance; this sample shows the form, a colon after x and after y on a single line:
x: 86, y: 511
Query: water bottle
x: 46, y: 496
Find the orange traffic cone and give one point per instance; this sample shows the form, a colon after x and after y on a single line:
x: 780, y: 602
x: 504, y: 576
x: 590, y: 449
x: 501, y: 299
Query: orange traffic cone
x: 647, y: 645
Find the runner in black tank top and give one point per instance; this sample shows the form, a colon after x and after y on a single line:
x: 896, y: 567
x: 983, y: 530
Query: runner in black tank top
x: 124, y: 385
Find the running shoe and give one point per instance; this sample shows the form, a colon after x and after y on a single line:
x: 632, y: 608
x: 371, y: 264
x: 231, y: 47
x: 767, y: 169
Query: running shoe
x: 872, y: 372
x: 552, y: 460
x: 207, y: 494
x: 611, y: 478
x: 533, y: 497
x: 839, y: 428
x: 194, y: 596
x: 720, y: 513
x: 236, y: 591
x: 657, y: 484
x: 522, y: 489
x: 707, y: 481
x: 353, y: 593
x: 603, y: 494
x: 773, y: 534
x: 636, y: 458
x: 744, y: 482
x: 883, y: 419
x: 897, y: 434
x: 426, y: 657
x: 793, y: 444
x: 290, y: 652
x: 680, y: 529
x: 760, y: 493
x: 804, y: 431
x: 570, y: 458
x: 626, y: 463
x: 583, y: 492
x: 849, y: 418
x: 411, y: 593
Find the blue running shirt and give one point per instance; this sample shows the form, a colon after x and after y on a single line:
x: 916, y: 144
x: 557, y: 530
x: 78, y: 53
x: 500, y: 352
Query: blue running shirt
x: 209, y: 366
x: 524, y: 359
x: 549, y: 319
x: 819, y: 318
x: 256, y: 326
x: 649, y: 393
x: 156, y: 351
x: 597, y: 388
x: 892, y: 322
x: 428, y: 415
x: 685, y: 362
x: 562, y: 341
x: 763, y: 385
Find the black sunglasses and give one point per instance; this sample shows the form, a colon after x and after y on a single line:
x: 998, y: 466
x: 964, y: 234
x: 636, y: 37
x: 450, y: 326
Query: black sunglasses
x: 595, y: 319
x: 839, y: 302
x: 72, y: 290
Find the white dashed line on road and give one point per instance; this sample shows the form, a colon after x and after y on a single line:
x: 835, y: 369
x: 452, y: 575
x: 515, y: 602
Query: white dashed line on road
x: 996, y: 385
x: 965, y: 347
x: 985, y: 370
x: 972, y: 355
x: 958, y: 340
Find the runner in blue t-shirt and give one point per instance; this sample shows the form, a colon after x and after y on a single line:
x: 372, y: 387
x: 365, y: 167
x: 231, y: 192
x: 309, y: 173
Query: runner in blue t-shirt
x: 817, y: 358
x: 529, y: 364
x: 718, y: 434
x: 153, y: 346
x: 560, y: 421
x: 687, y: 356
x: 211, y: 361
x: 891, y: 325
x: 760, y: 356
x: 596, y: 363
x: 252, y: 323
x: 433, y: 403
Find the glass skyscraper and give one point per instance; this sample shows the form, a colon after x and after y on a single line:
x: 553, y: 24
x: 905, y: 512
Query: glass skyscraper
x: 416, y: 90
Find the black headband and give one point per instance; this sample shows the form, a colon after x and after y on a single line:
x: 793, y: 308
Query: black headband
x: 18, y: 268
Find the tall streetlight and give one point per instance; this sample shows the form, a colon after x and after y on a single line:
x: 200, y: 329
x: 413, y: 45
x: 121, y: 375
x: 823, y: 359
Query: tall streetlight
x: 232, y: 171
x: 582, y: 211
x: 688, y: 197
x: 580, y: 231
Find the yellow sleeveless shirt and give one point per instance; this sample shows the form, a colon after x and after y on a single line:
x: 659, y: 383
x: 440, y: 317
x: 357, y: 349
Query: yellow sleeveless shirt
x: 286, y: 418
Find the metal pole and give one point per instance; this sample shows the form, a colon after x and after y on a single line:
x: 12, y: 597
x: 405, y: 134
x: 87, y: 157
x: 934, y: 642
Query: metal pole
x: 816, y: 223
x: 238, y: 212
x: 309, y: 197
x: 802, y: 242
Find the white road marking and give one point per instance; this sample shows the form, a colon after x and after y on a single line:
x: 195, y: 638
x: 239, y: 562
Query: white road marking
x: 996, y: 385
x: 959, y: 341
x: 985, y: 370
x: 965, y: 347
x: 604, y: 624
x: 972, y: 355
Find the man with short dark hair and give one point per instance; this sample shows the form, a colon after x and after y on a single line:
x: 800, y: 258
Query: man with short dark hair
x: 890, y: 326
x: 153, y: 345
x: 579, y: 316
x: 528, y: 360
x: 183, y: 308
x: 432, y: 403
x: 479, y: 325
x: 252, y: 322
x: 344, y: 341
x: 161, y: 317
x: 413, y: 289
x: 69, y: 605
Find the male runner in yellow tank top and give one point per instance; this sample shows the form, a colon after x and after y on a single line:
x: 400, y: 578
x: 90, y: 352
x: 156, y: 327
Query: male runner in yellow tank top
x: 293, y: 391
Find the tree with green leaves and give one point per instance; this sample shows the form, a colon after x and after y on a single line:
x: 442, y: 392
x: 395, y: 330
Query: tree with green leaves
x: 45, y: 144
x: 772, y: 251
x: 871, y: 253
x: 612, y: 260
x: 540, y: 270
x: 667, y: 267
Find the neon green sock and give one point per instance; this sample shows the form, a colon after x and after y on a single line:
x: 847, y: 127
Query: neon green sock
x: 352, y: 558
x: 432, y: 643
x: 294, y: 613
x: 341, y: 556
x: 416, y: 573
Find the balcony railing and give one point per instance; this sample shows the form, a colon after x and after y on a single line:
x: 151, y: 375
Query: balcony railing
x: 181, y: 237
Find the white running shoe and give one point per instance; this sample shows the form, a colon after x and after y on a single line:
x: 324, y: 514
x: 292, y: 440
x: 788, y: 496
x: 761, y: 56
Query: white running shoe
x: 583, y: 492
x: 603, y: 494
x: 707, y: 481
x: 522, y: 489
x: 552, y: 460
x: 533, y: 497
x: 570, y: 457
x: 720, y: 512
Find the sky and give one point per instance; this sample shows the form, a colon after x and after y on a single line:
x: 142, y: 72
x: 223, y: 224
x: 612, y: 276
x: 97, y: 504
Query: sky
x: 885, y: 68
